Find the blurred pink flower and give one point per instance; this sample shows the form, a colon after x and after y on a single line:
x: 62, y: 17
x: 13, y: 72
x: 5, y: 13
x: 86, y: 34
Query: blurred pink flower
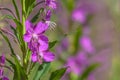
x: 77, y: 63
x: 79, y: 16
x: 86, y: 44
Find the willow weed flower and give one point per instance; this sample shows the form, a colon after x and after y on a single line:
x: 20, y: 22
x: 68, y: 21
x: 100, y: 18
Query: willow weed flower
x: 77, y: 63
x: 86, y: 44
x: 2, y: 63
x: 5, y: 78
x: 79, y: 16
x: 34, y: 35
x: 2, y: 60
x: 1, y: 73
x: 51, y: 4
x: 37, y: 42
x: 47, y: 56
x: 2, y: 77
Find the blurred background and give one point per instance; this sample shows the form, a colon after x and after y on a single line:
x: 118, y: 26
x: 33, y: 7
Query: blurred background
x: 87, y: 33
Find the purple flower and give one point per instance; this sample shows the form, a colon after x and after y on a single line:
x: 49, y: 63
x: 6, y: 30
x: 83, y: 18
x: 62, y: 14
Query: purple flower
x: 47, y: 56
x: 77, y: 63
x: 34, y: 35
x: 34, y: 57
x: 5, y: 78
x: 51, y: 4
x: 2, y: 63
x: 86, y: 44
x: 1, y: 73
x: 91, y: 77
x: 48, y: 15
x: 2, y: 60
x: 79, y: 16
x: 2, y: 76
x: 37, y: 42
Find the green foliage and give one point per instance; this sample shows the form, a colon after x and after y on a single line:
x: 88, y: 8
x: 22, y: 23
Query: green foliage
x: 87, y: 72
x: 52, y: 44
x: 19, y: 72
x: 69, y: 4
x: 16, y: 9
x: 29, y: 5
x: 7, y: 16
x: 7, y: 40
x: 38, y: 71
x: 115, y: 69
x: 42, y: 70
x: 35, y: 18
x: 77, y: 35
x: 56, y: 75
x: 14, y: 31
x: 7, y: 9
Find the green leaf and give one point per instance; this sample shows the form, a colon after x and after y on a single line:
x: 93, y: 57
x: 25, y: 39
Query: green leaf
x: 42, y: 69
x: 87, y: 72
x: 29, y: 5
x: 35, y: 18
x: 77, y: 35
x: 7, y: 9
x: 14, y: 31
x: 20, y: 69
x: 56, y: 75
x: 33, y: 70
x: 7, y: 16
x: 16, y: 9
x: 69, y: 4
x: 19, y: 30
x: 16, y: 74
x: 19, y: 72
x: 7, y: 40
x: 52, y: 44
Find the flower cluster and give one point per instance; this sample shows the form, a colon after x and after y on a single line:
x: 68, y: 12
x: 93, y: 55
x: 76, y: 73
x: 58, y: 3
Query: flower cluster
x: 37, y: 42
x: 2, y: 64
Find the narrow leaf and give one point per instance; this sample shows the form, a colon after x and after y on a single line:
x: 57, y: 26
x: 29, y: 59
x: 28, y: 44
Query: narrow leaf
x: 35, y: 18
x: 58, y: 74
x: 14, y: 31
x: 7, y: 16
x: 52, y: 44
x: 7, y: 9
x: 7, y: 40
x: 41, y: 70
x: 16, y: 9
x: 88, y: 71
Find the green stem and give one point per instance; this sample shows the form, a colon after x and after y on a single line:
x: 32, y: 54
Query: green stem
x: 23, y: 29
x: 23, y: 15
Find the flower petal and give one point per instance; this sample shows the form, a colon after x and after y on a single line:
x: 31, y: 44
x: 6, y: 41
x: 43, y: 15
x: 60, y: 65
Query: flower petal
x: 28, y: 25
x: 40, y: 27
x: 48, y: 56
x: 48, y: 15
x: 1, y: 72
x: 2, y: 59
x: 27, y: 37
x: 34, y: 57
x: 5, y: 78
x: 43, y: 41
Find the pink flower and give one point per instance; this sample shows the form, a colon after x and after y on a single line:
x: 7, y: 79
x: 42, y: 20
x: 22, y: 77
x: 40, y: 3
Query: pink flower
x: 51, y: 3
x: 86, y: 44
